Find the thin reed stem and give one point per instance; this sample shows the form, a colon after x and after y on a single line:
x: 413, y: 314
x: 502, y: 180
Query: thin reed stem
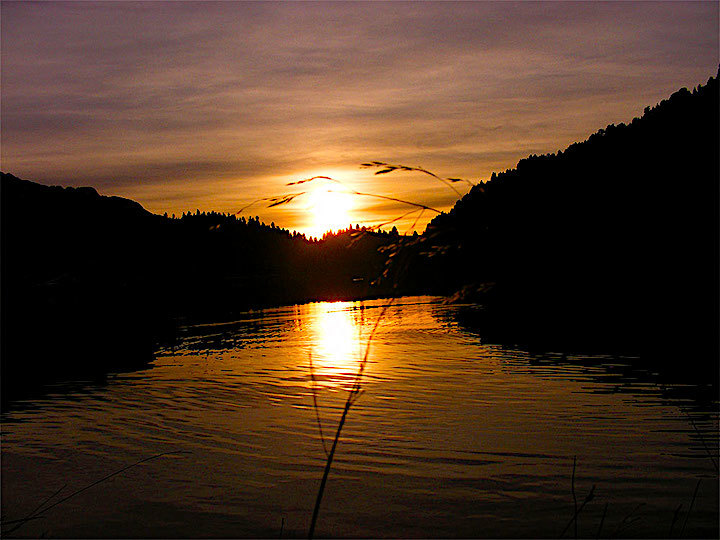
x: 702, y: 439
x: 602, y: 521
x: 288, y: 197
x: 395, y: 199
x: 388, y: 167
x: 676, y: 514
x: 353, y: 394
x: 574, y: 496
x: 692, y: 503
x: 627, y: 522
x: 326, y: 472
x: 590, y: 496
x: 315, y: 404
x: 38, y: 513
x: 416, y: 220
x: 574, y: 519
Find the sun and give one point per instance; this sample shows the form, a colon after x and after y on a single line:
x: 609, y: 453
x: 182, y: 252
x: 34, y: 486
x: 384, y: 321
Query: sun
x: 329, y: 210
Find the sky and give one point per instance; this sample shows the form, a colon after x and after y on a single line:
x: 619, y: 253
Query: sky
x: 183, y: 106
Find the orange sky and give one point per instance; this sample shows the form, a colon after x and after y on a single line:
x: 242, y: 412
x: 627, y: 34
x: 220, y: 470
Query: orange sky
x: 213, y: 105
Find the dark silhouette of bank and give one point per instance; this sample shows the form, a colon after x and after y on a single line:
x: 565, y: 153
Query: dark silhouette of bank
x: 611, y: 243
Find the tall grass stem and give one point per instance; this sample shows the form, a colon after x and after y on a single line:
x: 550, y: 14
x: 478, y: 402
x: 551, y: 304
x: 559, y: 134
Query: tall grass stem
x: 353, y: 394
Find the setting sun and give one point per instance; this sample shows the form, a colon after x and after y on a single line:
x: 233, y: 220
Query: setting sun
x: 329, y: 210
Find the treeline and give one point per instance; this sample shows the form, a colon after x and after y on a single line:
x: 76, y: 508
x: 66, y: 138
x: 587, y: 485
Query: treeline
x: 613, y: 239
x: 235, y: 263
x: 215, y: 220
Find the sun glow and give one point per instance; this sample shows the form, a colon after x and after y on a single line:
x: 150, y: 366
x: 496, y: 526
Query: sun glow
x: 330, y: 210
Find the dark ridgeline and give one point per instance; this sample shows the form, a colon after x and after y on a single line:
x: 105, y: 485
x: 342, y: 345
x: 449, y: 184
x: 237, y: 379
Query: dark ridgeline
x: 610, y: 243
x: 68, y: 284
x: 89, y: 283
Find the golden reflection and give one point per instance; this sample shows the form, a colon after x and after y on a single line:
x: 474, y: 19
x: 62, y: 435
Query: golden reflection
x: 336, y: 346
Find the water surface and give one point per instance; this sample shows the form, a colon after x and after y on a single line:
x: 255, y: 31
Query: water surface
x: 450, y: 437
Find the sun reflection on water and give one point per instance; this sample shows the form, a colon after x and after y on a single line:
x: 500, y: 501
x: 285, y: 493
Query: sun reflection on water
x: 336, y: 345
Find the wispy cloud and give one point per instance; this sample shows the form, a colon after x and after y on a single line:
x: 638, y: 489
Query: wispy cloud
x: 186, y: 105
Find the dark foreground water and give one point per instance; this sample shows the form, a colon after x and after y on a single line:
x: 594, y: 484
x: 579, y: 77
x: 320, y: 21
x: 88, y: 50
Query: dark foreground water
x: 451, y: 437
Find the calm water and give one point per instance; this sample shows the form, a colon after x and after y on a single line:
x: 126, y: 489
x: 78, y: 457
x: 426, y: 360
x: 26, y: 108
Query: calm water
x: 451, y: 437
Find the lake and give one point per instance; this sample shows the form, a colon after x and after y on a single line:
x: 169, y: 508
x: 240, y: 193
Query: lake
x: 450, y: 437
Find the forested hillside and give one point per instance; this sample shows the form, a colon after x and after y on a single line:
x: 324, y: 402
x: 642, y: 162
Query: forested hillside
x: 615, y: 237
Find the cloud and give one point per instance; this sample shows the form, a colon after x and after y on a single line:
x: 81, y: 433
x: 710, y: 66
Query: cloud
x: 148, y: 99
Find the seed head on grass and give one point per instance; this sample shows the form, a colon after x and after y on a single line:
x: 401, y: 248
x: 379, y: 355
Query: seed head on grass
x: 388, y: 168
